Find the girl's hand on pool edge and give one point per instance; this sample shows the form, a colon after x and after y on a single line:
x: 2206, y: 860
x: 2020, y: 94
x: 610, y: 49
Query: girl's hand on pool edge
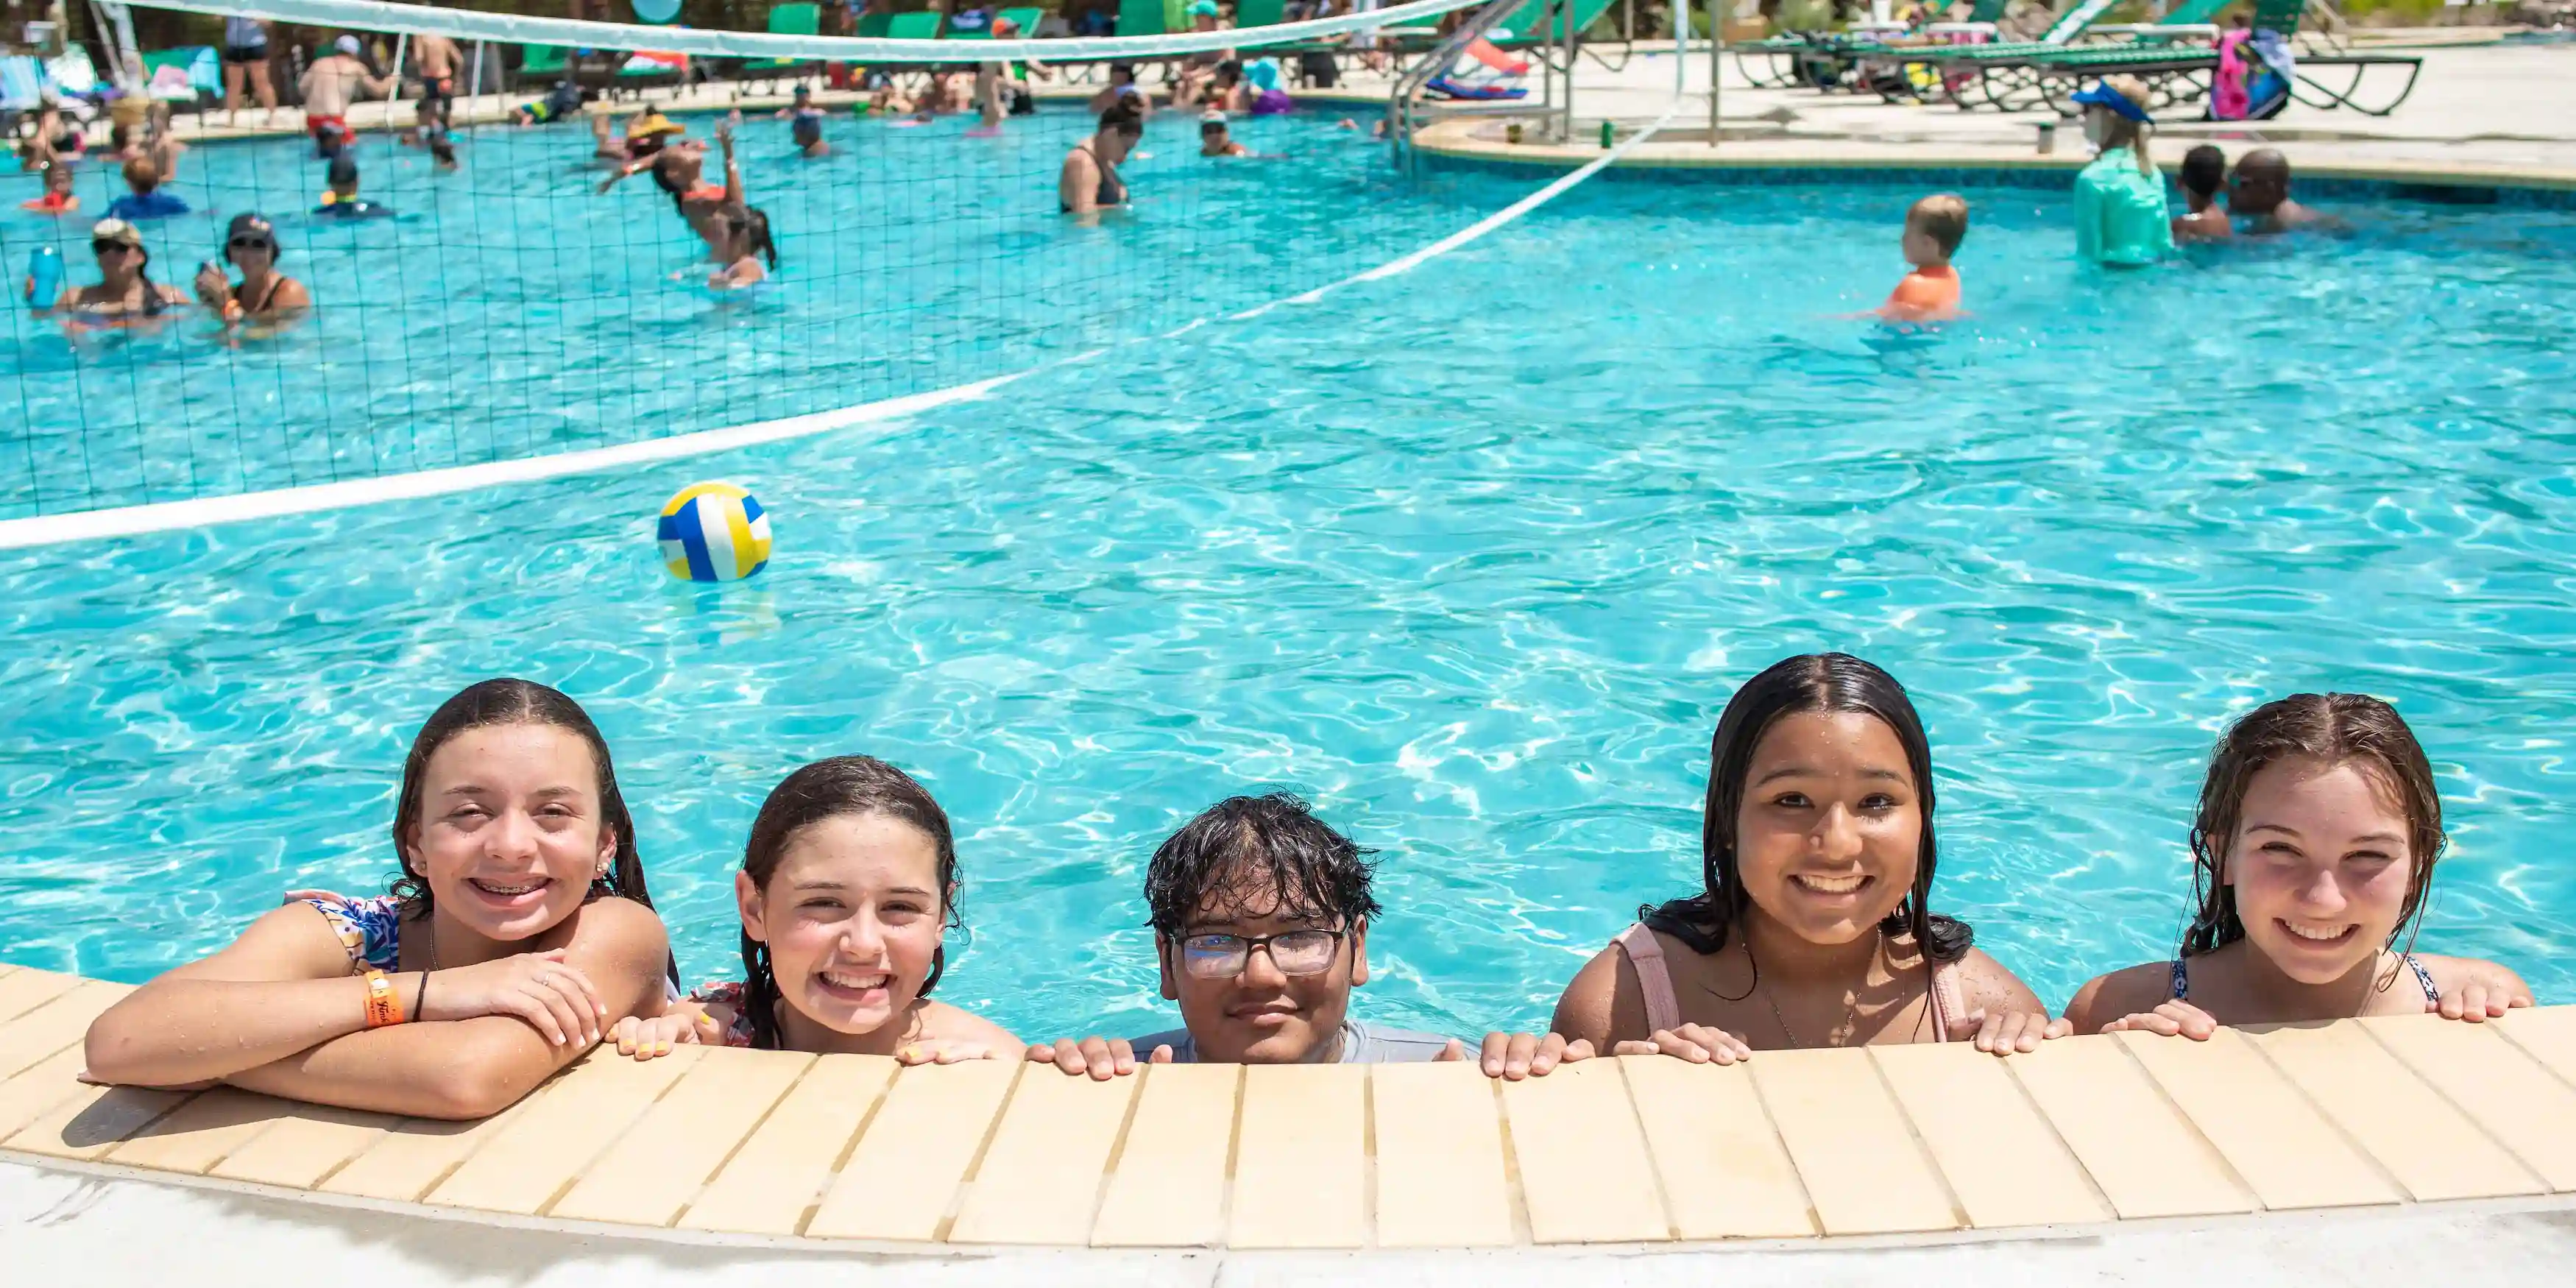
x: 2173, y: 1019
x: 943, y: 1052
x: 682, y: 1025
x: 2006, y: 1032
x: 1697, y: 1043
x: 2480, y: 999
x: 543, y: 989
x: 1514, y: 1056
x: 1101, y: 1058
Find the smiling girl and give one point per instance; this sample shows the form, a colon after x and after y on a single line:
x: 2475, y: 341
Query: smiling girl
x: 1815, y: 927
x: 518, y: 932
x: 2311, y: 857
x: 848, y: 885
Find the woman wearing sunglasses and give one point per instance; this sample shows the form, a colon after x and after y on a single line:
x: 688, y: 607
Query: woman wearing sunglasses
x: 125, y: 292
x: 263, y: 293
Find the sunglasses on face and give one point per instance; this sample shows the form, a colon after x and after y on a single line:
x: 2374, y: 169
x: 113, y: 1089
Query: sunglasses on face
x: 106, y: 248
x: 251, y: 243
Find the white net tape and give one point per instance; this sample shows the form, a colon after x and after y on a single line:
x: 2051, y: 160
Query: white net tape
x: 465, y: 24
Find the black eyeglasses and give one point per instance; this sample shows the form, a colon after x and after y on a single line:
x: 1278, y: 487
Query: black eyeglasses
x: 251, y: 243
x: 1298, y: 952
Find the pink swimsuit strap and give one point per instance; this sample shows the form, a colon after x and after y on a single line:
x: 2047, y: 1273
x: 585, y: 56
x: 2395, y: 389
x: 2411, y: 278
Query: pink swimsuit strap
x: 1664, y: 1010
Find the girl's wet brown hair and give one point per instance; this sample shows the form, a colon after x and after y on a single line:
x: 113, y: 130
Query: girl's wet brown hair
x: 2330, y: 729
x: 835, y: 788
x: 502, y: 702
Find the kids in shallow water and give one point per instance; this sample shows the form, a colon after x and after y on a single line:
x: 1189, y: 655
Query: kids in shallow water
x: 2312, y: 854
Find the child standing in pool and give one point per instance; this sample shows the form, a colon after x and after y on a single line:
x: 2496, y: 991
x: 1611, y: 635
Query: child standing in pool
x: 848, y: 884
x: 2204, y: 174
x: 2312, y: 854
x: 1814, y: 928
x: 1933, y: 230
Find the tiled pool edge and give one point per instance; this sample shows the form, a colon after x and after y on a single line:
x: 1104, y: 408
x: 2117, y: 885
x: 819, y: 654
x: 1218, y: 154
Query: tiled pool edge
x: 1925, y: 1146
x: 1455, y: 145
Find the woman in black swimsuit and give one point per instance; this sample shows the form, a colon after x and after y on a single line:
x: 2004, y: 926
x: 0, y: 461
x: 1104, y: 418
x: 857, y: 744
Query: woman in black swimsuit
x: 1089, y: 182
x: 264, y: 293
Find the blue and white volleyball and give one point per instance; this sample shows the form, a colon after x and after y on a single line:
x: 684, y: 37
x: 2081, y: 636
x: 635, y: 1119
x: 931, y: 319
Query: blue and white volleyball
x: 714, y: 532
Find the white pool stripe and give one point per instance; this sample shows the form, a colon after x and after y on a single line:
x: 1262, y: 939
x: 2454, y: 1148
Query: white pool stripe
x: 137, y: 520
x: 134, y: 520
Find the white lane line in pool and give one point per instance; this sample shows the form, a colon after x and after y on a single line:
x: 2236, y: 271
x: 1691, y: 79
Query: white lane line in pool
x: 135, y: 520
x: 1409, y: 262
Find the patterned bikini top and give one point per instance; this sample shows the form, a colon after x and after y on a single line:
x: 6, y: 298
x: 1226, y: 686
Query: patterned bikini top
x: 371, y: 929
x: 727, y: 993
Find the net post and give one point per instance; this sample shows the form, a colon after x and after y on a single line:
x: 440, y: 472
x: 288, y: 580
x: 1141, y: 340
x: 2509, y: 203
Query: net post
x: 1716, y: 62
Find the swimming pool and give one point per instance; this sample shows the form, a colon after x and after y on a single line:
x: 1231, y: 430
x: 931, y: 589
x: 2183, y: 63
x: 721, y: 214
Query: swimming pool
x: 1474, y: 555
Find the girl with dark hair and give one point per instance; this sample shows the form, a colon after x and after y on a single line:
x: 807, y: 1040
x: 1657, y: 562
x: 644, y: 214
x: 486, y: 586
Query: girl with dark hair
x: 848, y: 885
x: 2311, y: 856
x: 746, y: 243
x: 1089, y: 182
x: 1814, y: 927
x: 518, y: 932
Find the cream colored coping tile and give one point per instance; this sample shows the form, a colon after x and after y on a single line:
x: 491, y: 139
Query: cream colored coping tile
x: 200, y: 1133
x: 2146, y: 1157
x: 2423, y: 1140
x: 920, y: 1146
x: 58, y: 1023
x: 2002, y: 1159
x: 1724, y: 1171
x: 26, y: 1097
x: 23, y: 990
x: 418, y: 1153
x: 525, y: 1167
x: 2494, y: 1083
x: 1441, y: 1181
x: 1041, y: 1177
x: 775, y: 1179
x: 305, y: 1144
x: 659, y: 1164
x: 1301, y: 1158
x: 1584, y: 1170
x: 2272, y: 1135
x: 1169, y: 1187
x: 2548, y: 1033
x: 94, y: 1120
x: 1862, y: 1167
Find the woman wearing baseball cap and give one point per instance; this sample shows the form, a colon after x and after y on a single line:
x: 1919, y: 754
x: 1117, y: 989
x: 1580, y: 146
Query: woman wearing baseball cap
x: 126, y: 292
x: 2120, y: 215
x: 250, y: 244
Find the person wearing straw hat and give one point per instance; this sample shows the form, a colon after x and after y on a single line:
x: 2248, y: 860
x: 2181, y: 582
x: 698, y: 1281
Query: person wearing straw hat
x: 2121, y: 219
x: 125, y: 292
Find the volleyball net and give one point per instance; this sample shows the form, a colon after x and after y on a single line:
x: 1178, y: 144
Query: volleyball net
x: 482, y: 291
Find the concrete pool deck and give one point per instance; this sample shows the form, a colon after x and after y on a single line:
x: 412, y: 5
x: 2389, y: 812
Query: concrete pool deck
x: 2363, y: 1145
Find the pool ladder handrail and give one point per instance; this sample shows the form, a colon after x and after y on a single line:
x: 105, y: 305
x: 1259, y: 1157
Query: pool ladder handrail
x: 1405, y: 110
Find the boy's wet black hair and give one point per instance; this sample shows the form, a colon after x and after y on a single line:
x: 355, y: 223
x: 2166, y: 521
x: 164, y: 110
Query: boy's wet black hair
x: 1269, y: 848
x: 2204, y: 170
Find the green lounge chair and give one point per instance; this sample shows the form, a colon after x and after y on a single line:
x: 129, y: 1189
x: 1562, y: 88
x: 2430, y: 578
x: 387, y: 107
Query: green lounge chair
x: 2181, y: 74
x: 1823, y: 59
x: 541, y: 65
x: 785, y: 20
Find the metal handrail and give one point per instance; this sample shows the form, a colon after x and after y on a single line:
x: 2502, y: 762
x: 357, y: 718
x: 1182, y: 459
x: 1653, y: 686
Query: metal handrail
x: 1407, y: 91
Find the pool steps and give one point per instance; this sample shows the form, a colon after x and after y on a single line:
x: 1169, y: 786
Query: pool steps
x: 1634, y: 1150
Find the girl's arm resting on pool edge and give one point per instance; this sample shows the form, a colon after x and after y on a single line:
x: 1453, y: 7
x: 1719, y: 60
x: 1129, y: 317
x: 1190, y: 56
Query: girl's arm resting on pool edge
x: 2107, y: 999
x: 283, y: 986
x: 2004, y: 1015
x: 474, y: 1068
x: 1605, y: 1008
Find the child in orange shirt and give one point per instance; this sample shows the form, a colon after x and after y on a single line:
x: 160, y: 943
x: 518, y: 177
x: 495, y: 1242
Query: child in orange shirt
x: 1933, y: 231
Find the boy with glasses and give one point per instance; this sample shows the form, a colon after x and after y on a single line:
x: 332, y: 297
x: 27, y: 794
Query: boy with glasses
x: 1260, y: 915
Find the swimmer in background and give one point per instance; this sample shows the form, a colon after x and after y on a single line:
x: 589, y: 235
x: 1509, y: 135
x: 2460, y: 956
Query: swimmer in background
x: 437, y: 57
x: 330, y: 85
x: 2261, y: 197
x: 647, y: 132
x: 886, y: 100
x: 58, y: 197
x: 342, y: 201
x: 745, y: 243
x: 559, y: 104
x: 1122, y: 84
x: 146, y: 201
x: 1933, y: 230
x: 996, y: 89
x: 680, y: 172
x: 2204, y: 174
x: 805, y: 124
x: 1227, y: 91
x: 1214, y: 140
x: 52, y: 141
x: 264, y: 294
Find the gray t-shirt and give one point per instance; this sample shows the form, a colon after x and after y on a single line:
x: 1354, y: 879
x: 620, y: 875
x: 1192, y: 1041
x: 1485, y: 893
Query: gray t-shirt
x: 1362, y: 1043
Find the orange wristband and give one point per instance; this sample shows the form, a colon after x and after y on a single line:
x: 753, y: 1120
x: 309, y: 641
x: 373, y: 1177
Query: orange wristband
x: 383, y: 1007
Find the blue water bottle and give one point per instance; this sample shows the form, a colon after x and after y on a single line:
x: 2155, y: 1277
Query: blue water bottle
x: 44, y: 277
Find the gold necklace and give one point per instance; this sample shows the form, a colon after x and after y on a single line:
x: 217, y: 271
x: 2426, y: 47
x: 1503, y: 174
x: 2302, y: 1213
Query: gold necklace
x: 1851, y: 1000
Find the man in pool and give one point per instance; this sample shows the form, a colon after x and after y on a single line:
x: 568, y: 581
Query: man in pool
x: 330, y: 85
x: 1261, y: 913
x: 2260, y: 196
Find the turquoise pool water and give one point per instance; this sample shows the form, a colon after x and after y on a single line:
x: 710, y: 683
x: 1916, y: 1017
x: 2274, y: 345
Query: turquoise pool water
x: 1474, y: 556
